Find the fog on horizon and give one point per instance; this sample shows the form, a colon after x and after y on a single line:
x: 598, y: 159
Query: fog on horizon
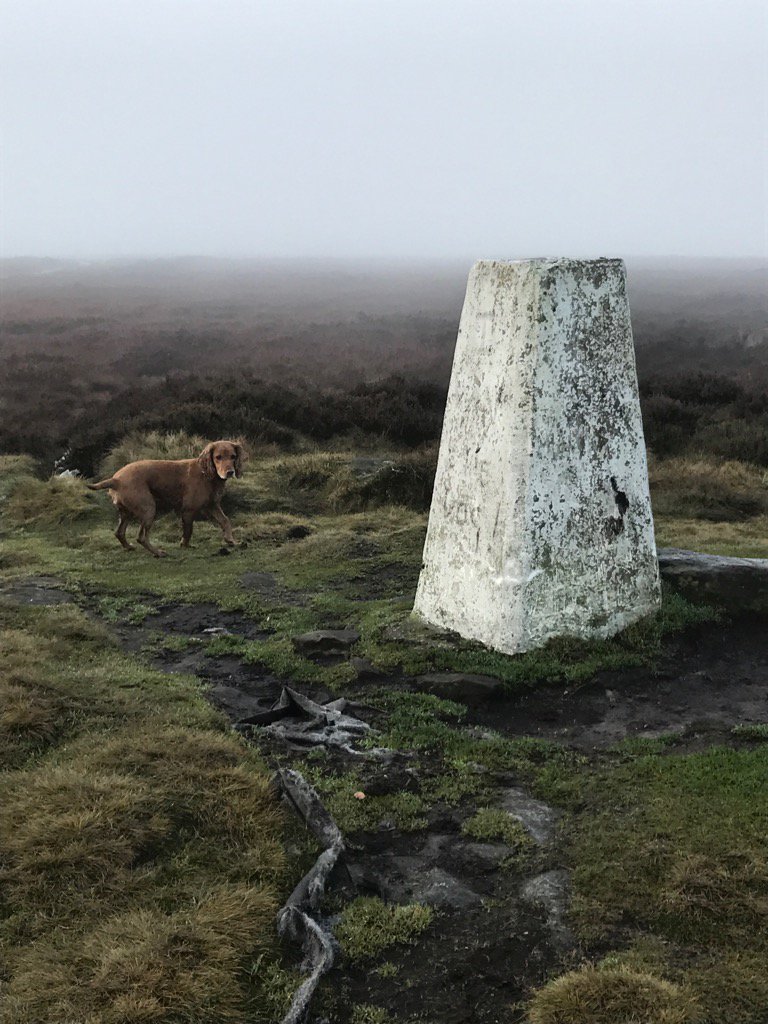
x: 395, y: 130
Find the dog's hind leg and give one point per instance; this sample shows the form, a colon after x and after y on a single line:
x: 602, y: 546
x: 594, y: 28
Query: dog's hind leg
x: 122, y: 526
x: 144, y: 509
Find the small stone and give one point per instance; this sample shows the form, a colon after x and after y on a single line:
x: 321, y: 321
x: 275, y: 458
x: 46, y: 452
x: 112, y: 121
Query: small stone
x: 366, y: 671
x: 460, y: 686
x: 325, y: 641
x: 538, y: 818
x: 480, y: 858
x: 440, y: 889
x: 551, y: 891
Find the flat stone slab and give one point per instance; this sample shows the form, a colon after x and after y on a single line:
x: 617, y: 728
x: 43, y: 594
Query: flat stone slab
x: 738, y: 584
x: 460, y: 686
x: 325, y: 640
x: 552, y: 892
x: 435, y: 887
x: 538, y: 818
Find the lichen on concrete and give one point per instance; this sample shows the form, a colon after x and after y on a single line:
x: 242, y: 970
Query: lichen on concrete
x: 541, y: 520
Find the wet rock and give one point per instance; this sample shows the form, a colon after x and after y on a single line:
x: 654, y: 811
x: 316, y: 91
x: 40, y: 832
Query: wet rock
x: 325, y: 641
x: 537, y: 817
x: 439, y: 889
x: 436, y: 848
x: 551, y: 892
x: 738, y: 584
x: 479, y: 858
x: 435, y: 887
x: 460, y: 686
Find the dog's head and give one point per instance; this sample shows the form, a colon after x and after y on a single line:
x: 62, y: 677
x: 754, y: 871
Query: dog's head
x: 221, y: 460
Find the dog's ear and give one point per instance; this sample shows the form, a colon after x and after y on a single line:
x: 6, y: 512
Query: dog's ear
x: 240, y: 457
x: 205, y: 458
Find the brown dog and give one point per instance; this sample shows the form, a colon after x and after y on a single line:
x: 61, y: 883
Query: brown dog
x: 191, y: 487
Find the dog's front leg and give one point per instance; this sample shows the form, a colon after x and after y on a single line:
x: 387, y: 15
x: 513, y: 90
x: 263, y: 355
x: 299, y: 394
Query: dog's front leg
x: 187, y: 522
x: 217, y: 515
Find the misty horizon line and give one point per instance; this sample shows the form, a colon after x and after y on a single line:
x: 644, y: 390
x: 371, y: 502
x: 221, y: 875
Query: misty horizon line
x: 371, y: 257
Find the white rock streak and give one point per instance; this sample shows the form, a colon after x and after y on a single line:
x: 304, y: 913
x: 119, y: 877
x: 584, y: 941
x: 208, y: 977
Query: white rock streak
x: 541, y: 521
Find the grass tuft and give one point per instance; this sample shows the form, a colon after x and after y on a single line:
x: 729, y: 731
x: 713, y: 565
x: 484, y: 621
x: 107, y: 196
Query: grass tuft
x: 493, y: 823
x: 140, y: 842
x: 367, y: 926
x: 58, y: 501
x: 612, y: 995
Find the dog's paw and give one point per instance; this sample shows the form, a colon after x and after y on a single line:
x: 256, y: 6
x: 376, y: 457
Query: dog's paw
x: 160, y: 553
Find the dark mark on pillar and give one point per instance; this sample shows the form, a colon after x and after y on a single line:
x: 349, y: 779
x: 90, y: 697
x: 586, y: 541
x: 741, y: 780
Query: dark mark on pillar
x: 614, y: 525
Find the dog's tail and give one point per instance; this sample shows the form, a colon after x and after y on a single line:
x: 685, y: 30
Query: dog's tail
x: 102, y: 485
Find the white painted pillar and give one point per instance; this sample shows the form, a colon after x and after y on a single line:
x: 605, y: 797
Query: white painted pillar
x: 541, y: 520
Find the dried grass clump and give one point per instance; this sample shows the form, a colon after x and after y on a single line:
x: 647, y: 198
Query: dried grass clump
x: 708, y: 488
x: 54, y: 502
x: 152, y: 444
x: 68, y: 837
x: 612, y: 995
x: 407, y: 480
x: 720, y: 899
x: 149, y: 966
x: 31, y: 718
x: 12, y: 469
x: 214, y: 785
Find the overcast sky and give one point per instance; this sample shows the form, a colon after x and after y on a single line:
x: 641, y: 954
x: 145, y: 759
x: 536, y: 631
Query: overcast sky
x: 396, y: 128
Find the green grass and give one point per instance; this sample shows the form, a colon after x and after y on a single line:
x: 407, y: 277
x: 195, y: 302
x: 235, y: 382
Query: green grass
x: 748, y: 539
x: 674, y: 847
x: 140, y: 841
x: 493, y: 823
x: 367, y: 926
x: 404, y: 811
x: 149, y: 836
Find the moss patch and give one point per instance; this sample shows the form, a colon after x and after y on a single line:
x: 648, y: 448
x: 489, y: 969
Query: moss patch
x: 368, y: 926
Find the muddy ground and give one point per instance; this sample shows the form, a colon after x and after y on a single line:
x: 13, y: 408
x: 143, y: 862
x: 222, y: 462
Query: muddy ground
x: 499, y: 929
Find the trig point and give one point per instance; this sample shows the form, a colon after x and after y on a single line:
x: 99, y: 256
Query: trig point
x: 541, y: 520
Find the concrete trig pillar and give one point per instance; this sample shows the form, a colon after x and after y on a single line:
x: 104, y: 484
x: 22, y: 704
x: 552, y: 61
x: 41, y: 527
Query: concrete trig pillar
x: 541, y: 520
